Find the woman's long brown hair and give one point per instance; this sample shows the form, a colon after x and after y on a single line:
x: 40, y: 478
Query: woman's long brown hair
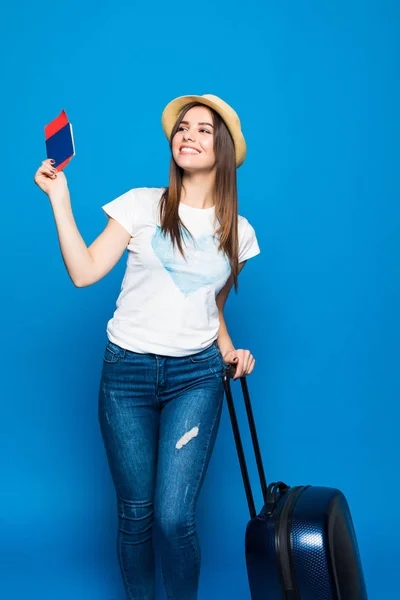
x: 225, y: 194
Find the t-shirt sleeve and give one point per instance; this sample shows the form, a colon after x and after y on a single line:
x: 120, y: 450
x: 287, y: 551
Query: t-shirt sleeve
x: 248, y: 244
x: 123, y: 209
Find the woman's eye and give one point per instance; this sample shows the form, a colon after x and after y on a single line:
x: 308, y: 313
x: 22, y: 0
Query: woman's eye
x: 180, y: 128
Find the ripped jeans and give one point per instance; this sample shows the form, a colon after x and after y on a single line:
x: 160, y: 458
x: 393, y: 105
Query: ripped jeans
x: 159, y: 417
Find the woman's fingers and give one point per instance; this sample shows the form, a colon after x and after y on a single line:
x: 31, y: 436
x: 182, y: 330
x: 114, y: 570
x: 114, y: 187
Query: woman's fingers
x: 45, y: 172
x: 49, y: 179
x: 245, y: 363
x: 47, y: 169
x: 251, y: 366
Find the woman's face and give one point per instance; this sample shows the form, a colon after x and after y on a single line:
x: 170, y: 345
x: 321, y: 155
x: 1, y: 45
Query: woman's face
x: 193, y: 143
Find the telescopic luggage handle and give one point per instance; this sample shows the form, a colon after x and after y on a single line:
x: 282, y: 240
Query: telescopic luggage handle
x: 227, y: 375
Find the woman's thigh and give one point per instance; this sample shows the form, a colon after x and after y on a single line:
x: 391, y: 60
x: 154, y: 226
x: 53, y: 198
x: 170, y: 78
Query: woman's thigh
x: 188, y: 430
x: 129, y: 417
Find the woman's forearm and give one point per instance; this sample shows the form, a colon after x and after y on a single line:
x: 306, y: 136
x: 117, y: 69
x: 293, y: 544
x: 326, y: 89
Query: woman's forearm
x: 224, y: 341
x: 75, y: 253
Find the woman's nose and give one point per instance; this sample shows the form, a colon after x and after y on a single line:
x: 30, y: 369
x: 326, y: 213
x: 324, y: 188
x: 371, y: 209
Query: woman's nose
x: 188, y: 136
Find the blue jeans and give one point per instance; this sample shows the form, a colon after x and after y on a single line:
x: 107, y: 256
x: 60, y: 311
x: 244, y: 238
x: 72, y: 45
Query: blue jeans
x: 159, y: 417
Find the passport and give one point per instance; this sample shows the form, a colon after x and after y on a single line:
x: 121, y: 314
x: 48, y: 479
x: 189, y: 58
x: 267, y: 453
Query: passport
x: 59, y: 141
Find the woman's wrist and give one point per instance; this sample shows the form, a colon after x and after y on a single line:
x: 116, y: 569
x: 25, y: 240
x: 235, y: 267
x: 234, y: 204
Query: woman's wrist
x: 60, y: 197
x: 225, y: 352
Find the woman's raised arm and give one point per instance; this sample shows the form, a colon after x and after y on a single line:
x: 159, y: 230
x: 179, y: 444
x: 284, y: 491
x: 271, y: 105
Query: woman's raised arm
x: 85, y: 265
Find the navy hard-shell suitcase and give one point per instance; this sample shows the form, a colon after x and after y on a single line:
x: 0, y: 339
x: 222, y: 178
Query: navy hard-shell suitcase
x: 302, y: 545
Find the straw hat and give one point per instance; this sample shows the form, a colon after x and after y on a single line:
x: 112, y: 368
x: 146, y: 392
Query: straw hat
x: 230, y: 117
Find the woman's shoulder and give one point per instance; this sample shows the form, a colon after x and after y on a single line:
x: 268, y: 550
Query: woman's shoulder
x: 248, y: 244
x: 143, y: 200
x: 245, y: 229
x: 243, y: 223
x: 147, y: 193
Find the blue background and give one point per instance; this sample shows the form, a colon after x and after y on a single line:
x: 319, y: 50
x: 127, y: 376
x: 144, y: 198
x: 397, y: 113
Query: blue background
x: 316, y: 85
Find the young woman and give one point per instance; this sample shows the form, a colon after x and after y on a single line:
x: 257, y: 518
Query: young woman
x: 161, y: 390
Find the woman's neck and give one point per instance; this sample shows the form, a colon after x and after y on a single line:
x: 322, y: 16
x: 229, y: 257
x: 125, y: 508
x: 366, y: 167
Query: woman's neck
x: 198, y: 190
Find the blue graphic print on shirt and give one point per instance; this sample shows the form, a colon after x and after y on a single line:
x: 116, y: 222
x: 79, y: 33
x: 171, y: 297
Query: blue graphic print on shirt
x: 203, y: 266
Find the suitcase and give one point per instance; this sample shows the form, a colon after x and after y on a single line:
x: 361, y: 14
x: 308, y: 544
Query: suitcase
x: 302, y: 545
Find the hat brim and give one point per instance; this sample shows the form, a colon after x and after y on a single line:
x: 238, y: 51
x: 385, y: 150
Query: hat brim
x: 173, y: 109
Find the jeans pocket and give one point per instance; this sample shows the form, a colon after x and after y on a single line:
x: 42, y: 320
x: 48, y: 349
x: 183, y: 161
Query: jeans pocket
x: 113, y: 353
x: 207, y: 354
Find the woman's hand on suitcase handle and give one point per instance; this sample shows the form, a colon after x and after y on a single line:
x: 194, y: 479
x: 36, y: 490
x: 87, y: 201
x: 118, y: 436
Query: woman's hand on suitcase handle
x: 243, y: 360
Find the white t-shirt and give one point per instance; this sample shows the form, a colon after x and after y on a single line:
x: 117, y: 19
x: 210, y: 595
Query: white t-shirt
x: 167, y: 305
